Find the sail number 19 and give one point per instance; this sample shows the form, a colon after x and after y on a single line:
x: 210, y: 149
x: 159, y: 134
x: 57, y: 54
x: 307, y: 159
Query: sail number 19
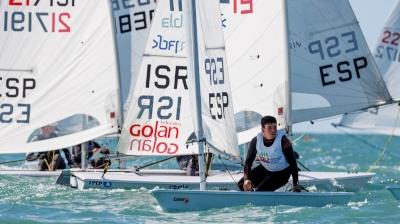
x: 247, y: 6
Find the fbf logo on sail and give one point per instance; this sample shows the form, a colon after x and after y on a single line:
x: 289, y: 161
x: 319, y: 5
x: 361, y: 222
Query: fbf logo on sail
x: 168, y: 45
x: 174, y: 22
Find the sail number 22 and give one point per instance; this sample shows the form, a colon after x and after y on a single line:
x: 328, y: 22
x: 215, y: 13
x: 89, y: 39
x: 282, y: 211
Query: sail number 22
x: 388, y: 49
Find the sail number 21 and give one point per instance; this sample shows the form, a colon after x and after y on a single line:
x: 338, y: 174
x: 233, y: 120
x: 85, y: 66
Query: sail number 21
x: 36, y: 2
x: 22, y: 16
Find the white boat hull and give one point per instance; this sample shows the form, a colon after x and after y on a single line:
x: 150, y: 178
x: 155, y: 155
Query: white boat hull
x: 29, y: 169
x: 335, y: 181
x: 184, y: 200
x: 395, y: 192
x: 31, y: 173
x: 176, y: 179
x: 168, y: 179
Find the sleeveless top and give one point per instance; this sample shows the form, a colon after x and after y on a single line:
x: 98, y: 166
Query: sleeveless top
x: 272, y: 157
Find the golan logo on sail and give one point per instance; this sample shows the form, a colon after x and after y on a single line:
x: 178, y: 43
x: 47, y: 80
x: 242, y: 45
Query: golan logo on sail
x: 155, y: 138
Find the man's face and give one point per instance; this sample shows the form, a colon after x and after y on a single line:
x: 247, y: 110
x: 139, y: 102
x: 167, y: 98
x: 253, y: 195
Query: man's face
x: 269, y: 131
x: 47, y: 130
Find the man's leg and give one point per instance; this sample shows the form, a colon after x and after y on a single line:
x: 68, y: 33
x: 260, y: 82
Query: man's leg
x: 42, y: 164
x: 240, y: 184
x: 58, y: 162
x: 275, y: 180
x: 258, y: 175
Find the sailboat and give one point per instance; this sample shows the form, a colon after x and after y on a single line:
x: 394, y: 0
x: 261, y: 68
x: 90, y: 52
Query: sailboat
x: 70, y: 119
x: 131, y: 25
x: 159, y: 120
x: 173, y: 179
x: 201, y: 48
x: 58, y: 67
x: 384, y: 119
x: 255, y: 63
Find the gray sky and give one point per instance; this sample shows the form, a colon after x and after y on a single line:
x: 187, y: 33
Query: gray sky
x: 372, y: 15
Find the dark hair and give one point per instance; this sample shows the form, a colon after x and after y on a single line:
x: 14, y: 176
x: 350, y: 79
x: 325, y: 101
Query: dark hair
x: 267, y: 120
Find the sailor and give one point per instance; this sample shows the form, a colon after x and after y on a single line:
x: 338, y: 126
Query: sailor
x: 50, y: 160
x: 96, y: 154
x: 273, y: 150
x: 188, y: 163
x: 98, y: 158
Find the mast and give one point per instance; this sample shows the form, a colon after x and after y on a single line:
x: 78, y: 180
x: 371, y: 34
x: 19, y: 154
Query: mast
x: 121, y: 163
x: 84, y: 145
x: 196, y: 72
x: 120, y: 103
x: 288, y: 113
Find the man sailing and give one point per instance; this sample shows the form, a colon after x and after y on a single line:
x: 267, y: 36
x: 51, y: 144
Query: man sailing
x: 277, y: 162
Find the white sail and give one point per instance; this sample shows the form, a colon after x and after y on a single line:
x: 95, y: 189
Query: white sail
x: 216, y: 101
x: 132, y: 24
x: 255, y: 43
x: 57, y: 63
x: 387, y: 53
x: 383, y: 120
x: 331, y: 69
x: 160, y: 119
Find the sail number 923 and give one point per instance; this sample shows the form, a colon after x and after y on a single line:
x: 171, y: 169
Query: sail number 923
x: 217, y: 101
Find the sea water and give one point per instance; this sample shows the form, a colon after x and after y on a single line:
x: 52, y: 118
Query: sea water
x: 28, y: 200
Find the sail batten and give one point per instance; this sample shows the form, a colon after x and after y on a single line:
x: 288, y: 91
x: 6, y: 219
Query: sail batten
x: 330, y: 29
x: 162, y: 56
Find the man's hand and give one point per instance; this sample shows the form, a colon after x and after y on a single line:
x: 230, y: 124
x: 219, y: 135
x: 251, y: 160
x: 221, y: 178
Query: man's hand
x: 247, y: 185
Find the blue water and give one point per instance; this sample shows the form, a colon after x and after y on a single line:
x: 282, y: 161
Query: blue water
x: 24, y: 200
